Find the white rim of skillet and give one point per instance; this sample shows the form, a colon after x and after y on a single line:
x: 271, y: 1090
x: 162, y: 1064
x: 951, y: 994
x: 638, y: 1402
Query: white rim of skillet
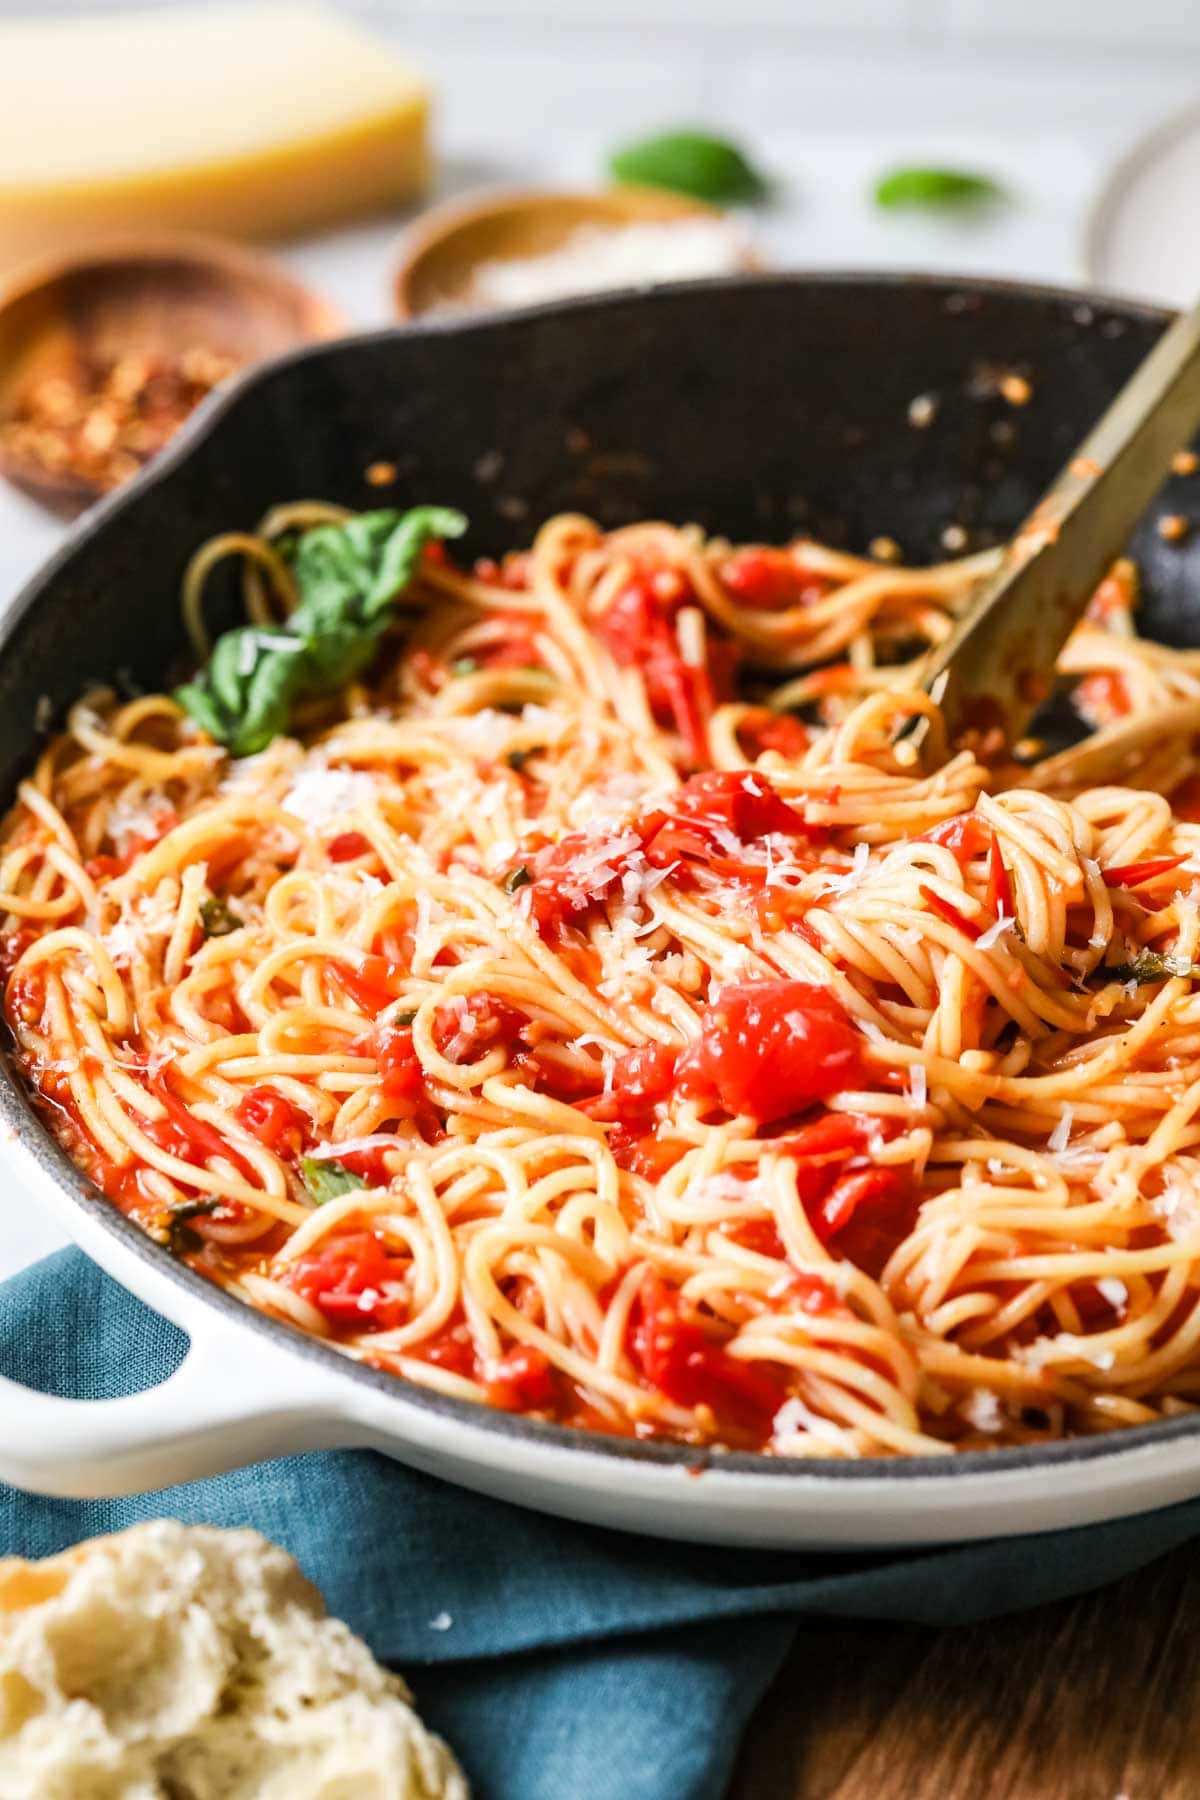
x: 30, y: 1150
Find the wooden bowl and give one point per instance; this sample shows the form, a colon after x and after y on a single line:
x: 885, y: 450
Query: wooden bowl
x: 442, y: 252
x: 157, y: 296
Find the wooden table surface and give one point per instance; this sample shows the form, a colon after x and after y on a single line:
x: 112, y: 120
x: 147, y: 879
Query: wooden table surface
x: 1089, y: 1699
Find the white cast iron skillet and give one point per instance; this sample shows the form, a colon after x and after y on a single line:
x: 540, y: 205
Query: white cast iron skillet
x: 759, y: 407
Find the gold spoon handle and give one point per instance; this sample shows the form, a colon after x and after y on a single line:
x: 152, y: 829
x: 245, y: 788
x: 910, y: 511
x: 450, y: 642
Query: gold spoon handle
x: 997, y: 666
x: 1110, y: 754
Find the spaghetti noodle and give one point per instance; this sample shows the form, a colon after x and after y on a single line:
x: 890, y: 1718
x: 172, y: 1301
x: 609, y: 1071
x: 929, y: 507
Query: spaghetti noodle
x: 556, y: 1019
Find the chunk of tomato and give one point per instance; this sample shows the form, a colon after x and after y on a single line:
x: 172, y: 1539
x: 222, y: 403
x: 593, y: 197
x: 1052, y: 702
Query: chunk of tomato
x: 639, y: 628
x: 401, y: 1075
x: 274, y: 1121
x: 676, y: 1357
x: 857, y: 1188
x: 346, y: 846
x: 191, y: 1139
x: 643, y: 1153
x: 1102, y: 697
x: 641, y: 1077
x: 468, y: 1027
x: 524, y: 1380
x: 1131, y: 875
x: 1000, y: 901
x: 768, y: 580
x: 760, y: 730
x: 770, y: 1048
x: 345, y: 1280
x: 370, y: 981
x: 713, y: 810
x: 743, y: 800
x: 575, y: 874
x: 453, y: 1348
x: 965, y: 836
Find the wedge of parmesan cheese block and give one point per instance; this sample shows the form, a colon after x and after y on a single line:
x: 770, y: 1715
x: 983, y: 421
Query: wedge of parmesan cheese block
x: 176, y: 1662
x: 253, y: 119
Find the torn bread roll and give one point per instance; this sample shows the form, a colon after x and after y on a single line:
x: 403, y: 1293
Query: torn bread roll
x: 197, y: 1664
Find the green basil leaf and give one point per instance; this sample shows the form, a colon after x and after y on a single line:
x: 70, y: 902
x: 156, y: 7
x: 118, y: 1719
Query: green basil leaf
x: 179, y: 1236
x: 346, y: 575
x: 402, y: 550
x: 218, y: 918
x: 339, y: 649
x: 233, y: 659
x: 328, y: 1180
x: 199, y: 705
x: 689, y: 162
x: 1151, y: 966
x: 278, y: 678
x: 935, y: 188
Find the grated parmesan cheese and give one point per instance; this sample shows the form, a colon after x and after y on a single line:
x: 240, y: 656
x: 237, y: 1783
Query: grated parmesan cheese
x: 995, y: 932
x: 1060, y: 1137
x: 794, y: 1419
x: 982, y: 1409
x: 320, y: 796
x: 1114, y: 1291
x: 141, y: 920
x: 615, y: 803
x: 136, y: 816
x: 1178, y: 1207
x: 842, y: 882
x: 597, y: 257
x: 331, y: 1152
x: 1061, y: 1349
x: 551, y: 724
x: 487, y: 732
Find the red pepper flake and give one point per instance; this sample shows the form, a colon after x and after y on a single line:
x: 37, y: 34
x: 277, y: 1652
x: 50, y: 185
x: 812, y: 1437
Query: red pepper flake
x: 965, y: 836
x: 183, y: 1135
x: 999, y: 888
x: 1131, y: 875
x: 949, y: 913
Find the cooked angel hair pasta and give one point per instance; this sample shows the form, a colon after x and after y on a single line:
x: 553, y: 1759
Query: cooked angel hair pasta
x: 544, y: 1024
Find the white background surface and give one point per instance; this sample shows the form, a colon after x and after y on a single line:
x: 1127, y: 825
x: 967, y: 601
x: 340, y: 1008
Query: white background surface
x: 1043, y: 94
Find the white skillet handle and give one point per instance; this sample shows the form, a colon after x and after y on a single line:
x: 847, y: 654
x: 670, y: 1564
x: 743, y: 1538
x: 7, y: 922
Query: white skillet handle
x: 232, y: 1401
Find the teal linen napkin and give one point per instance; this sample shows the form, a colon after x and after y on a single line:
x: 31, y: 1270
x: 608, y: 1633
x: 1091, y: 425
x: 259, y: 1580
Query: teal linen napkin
x: 558, y: 1659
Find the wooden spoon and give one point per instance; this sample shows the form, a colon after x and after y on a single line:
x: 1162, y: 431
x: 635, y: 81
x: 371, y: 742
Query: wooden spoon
x: 442, y: 253
x: 997, y: 666
x: 154, y: 296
